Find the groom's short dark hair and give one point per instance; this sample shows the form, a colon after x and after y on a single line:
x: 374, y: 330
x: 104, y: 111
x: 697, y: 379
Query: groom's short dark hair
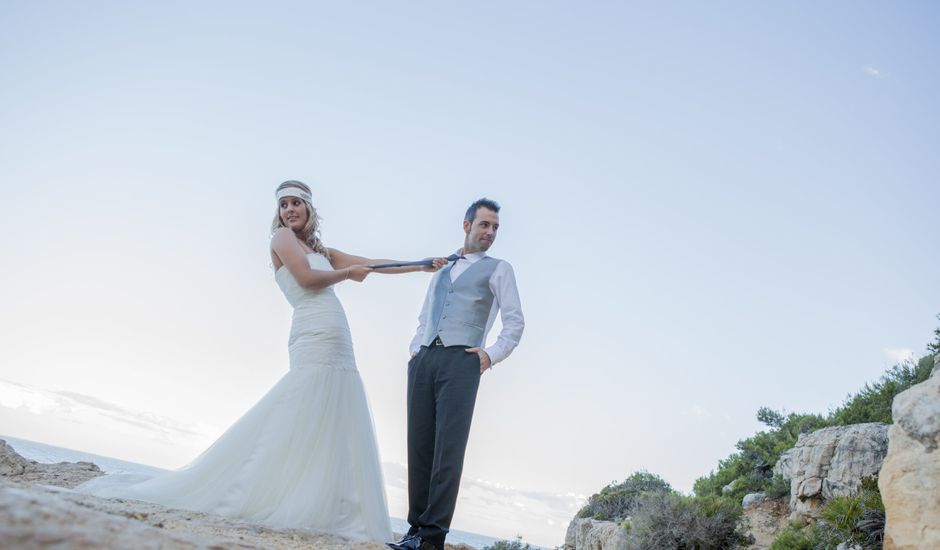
x: 484, y: 202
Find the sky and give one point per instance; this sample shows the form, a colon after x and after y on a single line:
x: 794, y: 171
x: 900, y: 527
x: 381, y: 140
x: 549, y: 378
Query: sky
x: 709, y: 208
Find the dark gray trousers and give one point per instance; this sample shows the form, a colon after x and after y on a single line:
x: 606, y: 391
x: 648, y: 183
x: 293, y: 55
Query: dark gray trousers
x: 442, y: 389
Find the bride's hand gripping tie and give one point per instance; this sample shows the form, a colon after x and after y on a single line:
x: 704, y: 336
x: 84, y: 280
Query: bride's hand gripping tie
x: 357, y: 273
x: 436, y: 264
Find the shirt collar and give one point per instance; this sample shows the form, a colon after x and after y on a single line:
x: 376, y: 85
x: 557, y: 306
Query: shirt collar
x: 474, y: 257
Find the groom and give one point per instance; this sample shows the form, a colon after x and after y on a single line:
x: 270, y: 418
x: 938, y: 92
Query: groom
x: 448, y: 358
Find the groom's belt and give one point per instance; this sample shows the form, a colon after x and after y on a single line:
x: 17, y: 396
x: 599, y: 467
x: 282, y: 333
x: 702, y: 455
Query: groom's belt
x: 438, y: 342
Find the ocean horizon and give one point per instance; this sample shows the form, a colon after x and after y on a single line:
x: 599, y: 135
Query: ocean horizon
x: 51, y: 454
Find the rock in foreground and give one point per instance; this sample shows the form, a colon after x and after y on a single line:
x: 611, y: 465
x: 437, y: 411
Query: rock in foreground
x: 910, y: 477
x: 42, y: 517
x: 34, y: 515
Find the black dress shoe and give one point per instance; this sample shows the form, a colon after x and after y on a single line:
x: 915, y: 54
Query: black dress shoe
x: 411, y: 542
x: 400, y: 545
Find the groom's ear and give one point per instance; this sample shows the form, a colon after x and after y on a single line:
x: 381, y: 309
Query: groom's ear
x: 466, y: 226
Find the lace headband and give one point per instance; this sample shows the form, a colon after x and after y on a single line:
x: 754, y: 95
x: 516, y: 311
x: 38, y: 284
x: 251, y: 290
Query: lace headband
x: 293, y: 192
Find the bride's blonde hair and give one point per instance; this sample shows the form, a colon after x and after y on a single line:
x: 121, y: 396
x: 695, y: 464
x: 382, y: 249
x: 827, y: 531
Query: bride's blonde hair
x: 310, y: 233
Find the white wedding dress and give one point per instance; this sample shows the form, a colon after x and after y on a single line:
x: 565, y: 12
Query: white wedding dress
x: 304, y: 456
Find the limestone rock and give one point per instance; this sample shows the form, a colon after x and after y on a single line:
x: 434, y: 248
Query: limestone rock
x: 591, y: 534
x: 47, y: 517
x: 11, y: 463
x: 753, y: 499
x: 766, y: 517
x: 64, y: 474
x: 830, y: 463
x: 910, y: 478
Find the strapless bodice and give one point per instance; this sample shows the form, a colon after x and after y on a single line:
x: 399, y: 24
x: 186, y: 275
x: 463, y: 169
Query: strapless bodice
x: 319, y: 332
x: 297, y: 295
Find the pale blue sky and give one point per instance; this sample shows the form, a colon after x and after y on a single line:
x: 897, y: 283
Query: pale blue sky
x: 709, y: 208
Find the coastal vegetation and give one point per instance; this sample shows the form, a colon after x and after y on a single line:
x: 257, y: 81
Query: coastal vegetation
x: 858, y: 520
x: 658, y: 517
x: 712, y: 517
x: 510, y: 545
x: 750, y: 469
x: 619, y: 501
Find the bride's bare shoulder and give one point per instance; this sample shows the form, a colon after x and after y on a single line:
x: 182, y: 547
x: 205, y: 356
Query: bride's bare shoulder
x: 283, y: 241
x: 282, y: 234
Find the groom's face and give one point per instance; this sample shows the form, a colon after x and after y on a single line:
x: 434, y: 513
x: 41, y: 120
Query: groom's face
x: 481, y: 232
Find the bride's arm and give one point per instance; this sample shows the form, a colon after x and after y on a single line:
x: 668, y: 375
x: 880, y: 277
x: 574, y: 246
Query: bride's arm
x: 342, y: 260
x: 292, y: 255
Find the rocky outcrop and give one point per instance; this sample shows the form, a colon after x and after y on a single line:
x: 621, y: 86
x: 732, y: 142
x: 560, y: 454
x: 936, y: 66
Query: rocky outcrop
x: 831, y: 462
x: 910, y: 479
x: 64, y: 474
x: 46, y: 517
x: 11, y: 463
x: 591, y: 534
x: 766, y: 518
x: 34, y: 514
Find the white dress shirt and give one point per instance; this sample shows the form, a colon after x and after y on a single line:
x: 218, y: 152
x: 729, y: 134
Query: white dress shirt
x: 503, y: 285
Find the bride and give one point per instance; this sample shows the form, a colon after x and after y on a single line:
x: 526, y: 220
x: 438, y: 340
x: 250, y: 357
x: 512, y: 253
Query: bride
x: 305, y: 455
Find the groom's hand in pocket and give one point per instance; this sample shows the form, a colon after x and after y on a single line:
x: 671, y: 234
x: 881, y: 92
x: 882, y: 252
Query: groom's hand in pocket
x: 484, y: 358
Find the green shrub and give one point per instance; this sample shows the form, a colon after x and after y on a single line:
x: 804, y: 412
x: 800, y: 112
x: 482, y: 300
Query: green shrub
x: 729, y: 470
x: 858, y: 520
x: 509, y: 545
x: 872, y: 528
x: 778, y: 487
x: 793, y: 538
x: 934, y: 347
x: 842, y: 513
x: 618, y: 501
x: 873, y: 402
x: 670, y: 521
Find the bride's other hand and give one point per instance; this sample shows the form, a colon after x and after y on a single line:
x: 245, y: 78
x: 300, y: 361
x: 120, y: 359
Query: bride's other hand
x: 436, y: 264
x: 358, y: 273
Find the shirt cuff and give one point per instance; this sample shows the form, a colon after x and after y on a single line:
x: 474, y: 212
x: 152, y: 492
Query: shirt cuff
x: 495, y: 353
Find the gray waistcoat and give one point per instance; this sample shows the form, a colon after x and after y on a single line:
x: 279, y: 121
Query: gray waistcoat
x: 459, y: 310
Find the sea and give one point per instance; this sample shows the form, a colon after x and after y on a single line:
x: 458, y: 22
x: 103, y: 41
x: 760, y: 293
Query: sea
x: 40, y: 452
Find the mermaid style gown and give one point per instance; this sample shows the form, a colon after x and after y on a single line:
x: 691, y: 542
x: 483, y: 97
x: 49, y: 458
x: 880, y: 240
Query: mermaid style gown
x: 304, y: 456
